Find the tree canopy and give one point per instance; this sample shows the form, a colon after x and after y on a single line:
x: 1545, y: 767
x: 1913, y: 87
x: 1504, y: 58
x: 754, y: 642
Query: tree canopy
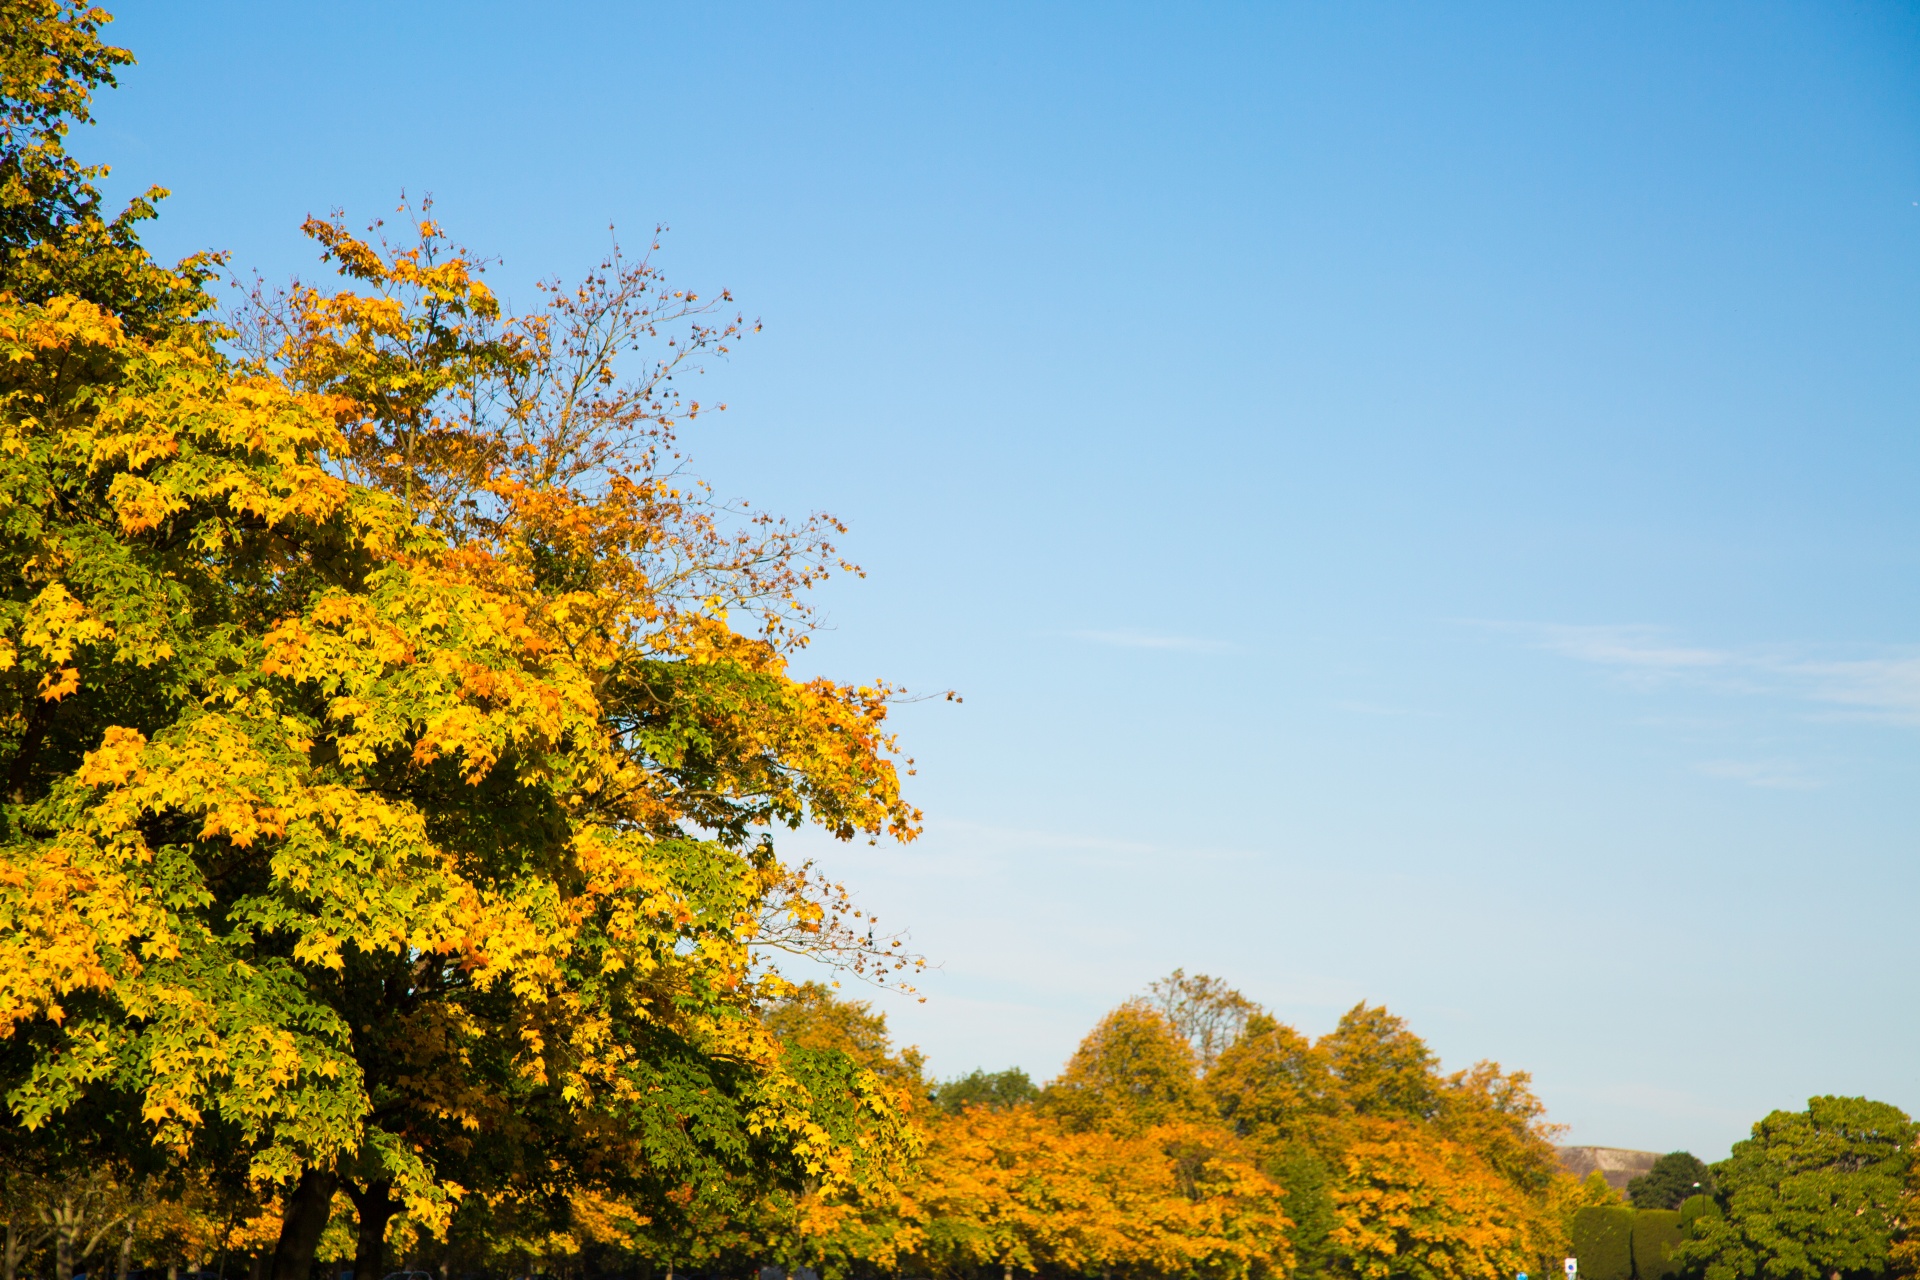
x: 1811, y: 1195
x: 1673, y: 1178
x: 393, y: 736
x: 1132, y: 1072
x: 981, y: 1088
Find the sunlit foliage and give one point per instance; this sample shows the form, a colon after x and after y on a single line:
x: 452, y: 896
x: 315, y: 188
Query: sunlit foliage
x: 393, y: 738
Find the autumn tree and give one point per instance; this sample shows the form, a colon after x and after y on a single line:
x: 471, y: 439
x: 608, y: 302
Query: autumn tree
x: 1092, y: 1177
x: 394, y: 737
x: 1207, y: 1012
x: 1272, y: 1087
x: 813, y: 1019
x: 1014, y: 1190
x: 841, y: 1050
x: 1379, y: 1068
x: 836, y: 1227
x: 1132, y: 1072
x: 1363, y: 1122
x: 1271, y: 1084
x: 1118, y: 1167
x: 24, y: 1230
x: 1411, y: 1204
x: 1496, y: 1114
x: 56, y: 236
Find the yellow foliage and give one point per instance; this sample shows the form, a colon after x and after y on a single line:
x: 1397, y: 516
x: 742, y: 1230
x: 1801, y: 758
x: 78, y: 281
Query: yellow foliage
x: 1131, y: 1073
x: 1417, y: 1206
x: 359, y: 745
x: 1016, y: 1188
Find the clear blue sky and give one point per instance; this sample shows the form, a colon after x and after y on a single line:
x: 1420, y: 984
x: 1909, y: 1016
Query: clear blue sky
x: 1422, y: 501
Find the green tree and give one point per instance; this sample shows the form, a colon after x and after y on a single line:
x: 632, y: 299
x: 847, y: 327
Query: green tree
x: 813, y: 1019
x: 982, y: 1088
x: 1673, y: 1178
x: 1812, y: 1195
x: 842, y: 1051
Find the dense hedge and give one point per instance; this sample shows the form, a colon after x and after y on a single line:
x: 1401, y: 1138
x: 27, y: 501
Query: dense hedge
x: 1603, y: 1242
x: 1655, y: 1233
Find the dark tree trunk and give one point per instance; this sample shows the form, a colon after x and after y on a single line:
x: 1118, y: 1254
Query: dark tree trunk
x: 19, y: 1245
x: 307, y: 1211
x: 377, y: 1207
x: 63, y: 1244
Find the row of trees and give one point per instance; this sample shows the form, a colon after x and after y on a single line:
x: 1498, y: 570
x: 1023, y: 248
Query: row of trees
x: 1190, y: 1134
x: 1193, y: 1134
x: 394, y: 739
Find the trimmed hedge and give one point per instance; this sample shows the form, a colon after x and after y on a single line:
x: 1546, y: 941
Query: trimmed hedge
x: 1603, y: 1242
x: 1655, y: 1233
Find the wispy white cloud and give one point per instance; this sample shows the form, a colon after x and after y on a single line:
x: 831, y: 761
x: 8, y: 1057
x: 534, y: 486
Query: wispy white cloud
x: 1882, y: 687
x: 1639, y: 647
x: 1149, y: 640
x: 1773, y: 775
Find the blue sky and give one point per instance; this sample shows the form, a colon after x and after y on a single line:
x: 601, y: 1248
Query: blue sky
x: 1420, y: 501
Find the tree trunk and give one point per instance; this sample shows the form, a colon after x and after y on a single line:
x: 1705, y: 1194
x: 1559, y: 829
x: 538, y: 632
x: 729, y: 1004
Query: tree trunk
x: 377, y: 1207
x: 126, y: 1255
x: 66, y: 1225
x: 307, y: 1211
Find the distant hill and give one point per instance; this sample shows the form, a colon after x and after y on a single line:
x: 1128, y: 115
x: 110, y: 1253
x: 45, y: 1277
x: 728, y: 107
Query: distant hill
x: 1617, y: 1164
